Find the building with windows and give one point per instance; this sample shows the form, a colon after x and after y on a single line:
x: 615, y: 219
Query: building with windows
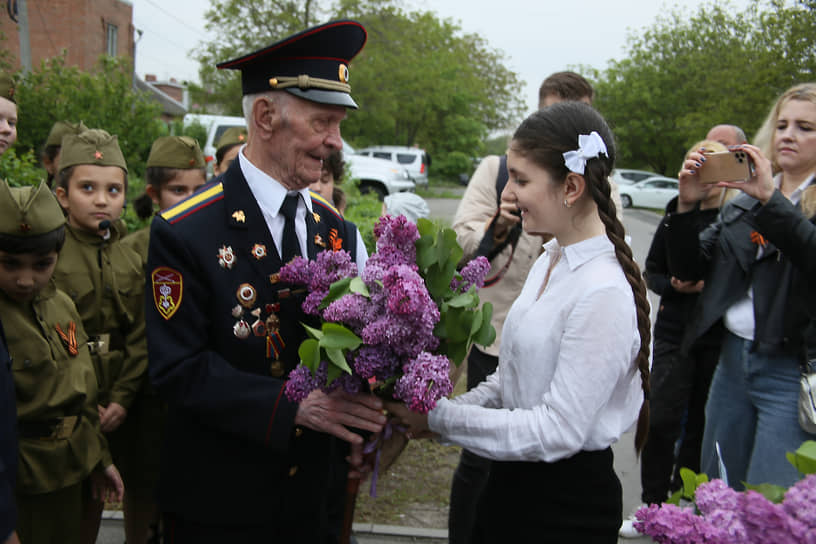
x: 84, y: 29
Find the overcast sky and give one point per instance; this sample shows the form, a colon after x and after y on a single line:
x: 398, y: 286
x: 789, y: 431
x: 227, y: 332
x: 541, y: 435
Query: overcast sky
x: 538, y: 37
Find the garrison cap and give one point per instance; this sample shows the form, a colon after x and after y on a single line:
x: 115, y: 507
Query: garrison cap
x: 232, y: 136
x: 61, y: 129
x: 94, y: 146
x: 29, y: 211
x: 180, y: 152
x: 312, y: 64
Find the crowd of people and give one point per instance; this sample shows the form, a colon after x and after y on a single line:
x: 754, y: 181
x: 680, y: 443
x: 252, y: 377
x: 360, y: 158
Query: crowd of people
x: 149, y: 367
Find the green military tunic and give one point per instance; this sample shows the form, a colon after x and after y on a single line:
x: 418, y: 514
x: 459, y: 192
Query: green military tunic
x: 139, y: 242
x: 106, y: 282
x: 51, y: 384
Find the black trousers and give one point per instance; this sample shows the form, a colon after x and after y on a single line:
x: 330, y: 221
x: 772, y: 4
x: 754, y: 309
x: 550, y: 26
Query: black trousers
x: 471, y: 474
x: 578, y: 499
x: 679, y: 391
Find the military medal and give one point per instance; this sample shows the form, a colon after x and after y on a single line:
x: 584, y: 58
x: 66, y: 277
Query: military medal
x: 237, y: 311
x: 239, y: 216
x: 259, y: 251
x: 316, y: 217
x: 226, y: 257
x: 258, y: 326
x: 241, y: 329
x: 274, y: 278
x: 246, y: 295
x: 318, y: 240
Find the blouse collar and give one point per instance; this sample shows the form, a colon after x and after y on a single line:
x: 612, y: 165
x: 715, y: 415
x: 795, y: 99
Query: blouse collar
x: 581, y: 252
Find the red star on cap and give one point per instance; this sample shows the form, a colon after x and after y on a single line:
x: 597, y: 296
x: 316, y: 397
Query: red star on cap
x: 98, y: 155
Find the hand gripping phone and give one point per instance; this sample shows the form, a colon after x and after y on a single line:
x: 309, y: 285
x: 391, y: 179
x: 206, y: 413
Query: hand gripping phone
x: 733, y: 165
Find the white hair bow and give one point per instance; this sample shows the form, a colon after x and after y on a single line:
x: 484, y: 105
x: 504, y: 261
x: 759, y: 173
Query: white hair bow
x: 589, y: 146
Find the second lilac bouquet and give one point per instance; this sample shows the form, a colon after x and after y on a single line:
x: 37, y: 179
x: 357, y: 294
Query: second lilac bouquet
x: 398, y: 326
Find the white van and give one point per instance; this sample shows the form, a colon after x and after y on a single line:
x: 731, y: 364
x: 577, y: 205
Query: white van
x: 216, y: 125
x: 414, y: 159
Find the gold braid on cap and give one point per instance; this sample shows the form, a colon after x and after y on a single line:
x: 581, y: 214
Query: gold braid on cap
x: 306, y: 82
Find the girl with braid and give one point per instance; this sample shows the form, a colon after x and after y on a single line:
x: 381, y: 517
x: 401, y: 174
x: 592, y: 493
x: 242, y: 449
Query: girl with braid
x: 574, y: 360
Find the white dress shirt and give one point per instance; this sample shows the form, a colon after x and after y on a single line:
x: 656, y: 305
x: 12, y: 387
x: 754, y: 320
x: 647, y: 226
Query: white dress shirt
x: 566, y: 380
x: 269, y: 193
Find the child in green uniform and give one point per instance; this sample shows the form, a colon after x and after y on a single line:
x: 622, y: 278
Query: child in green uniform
x: 106, y: 281
x: 175, y: 170
x: 229, y: 144
x: 60, y: 440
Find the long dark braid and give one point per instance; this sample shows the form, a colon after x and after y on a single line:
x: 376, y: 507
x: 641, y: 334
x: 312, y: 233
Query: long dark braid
x: 543, y: 138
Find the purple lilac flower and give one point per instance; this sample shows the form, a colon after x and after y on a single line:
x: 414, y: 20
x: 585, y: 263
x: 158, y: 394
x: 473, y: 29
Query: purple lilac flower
x: 721, y: 506
x: 330, y: 266
x: 406, y: 290
x: 349, y: 383
x: 800, y: 501
x: 352, y: 310
x: 425, y: 380
x: 297, y: 271
x: 397, y: 232
x: 668, y: 523
x: 766, y: 521
x: 407, y: 335
x: 472, y: 274
x: 377, y: 362
x: 301, y: 382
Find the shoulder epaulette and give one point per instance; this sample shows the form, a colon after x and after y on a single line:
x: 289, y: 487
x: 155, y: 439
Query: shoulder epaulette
x: 325, y: 204
x: 193, y: 204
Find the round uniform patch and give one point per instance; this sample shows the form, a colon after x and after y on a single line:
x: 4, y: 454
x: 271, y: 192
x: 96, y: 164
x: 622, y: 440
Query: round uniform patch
x: 167, y: 290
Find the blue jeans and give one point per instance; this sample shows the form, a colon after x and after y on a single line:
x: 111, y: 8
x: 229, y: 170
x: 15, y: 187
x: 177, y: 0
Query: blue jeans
x: 752, y: 412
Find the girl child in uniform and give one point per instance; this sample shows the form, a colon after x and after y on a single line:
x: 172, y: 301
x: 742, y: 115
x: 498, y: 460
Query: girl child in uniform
x: 573, y: 365
x: 60, y: 440
x: 175, y: 170
x: 106, y: 281
x: 49, y: 156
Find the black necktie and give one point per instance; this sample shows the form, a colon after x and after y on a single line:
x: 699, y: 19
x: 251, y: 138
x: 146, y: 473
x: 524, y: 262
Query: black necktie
x: 291, y: 247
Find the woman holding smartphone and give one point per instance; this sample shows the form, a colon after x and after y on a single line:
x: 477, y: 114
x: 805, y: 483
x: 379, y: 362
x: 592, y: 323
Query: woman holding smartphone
x: 758, y: 261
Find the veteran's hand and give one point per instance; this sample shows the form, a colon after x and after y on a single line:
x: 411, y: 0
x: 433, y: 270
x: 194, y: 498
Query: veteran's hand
x: 12, y: 539
x: 114, y: 414
x: 333, y: 413
x: 416, y: 423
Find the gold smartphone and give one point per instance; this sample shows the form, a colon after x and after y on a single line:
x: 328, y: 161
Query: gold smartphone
x: 726, y: 166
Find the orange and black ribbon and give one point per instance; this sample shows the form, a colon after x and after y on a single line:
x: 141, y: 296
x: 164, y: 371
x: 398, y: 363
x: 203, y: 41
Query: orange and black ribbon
x: 70, y: 338
x: 758, y: 239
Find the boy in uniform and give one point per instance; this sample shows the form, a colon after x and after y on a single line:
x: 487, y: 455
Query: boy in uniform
x: 106, y: 281
x: 53, y: 144
x: 60, y: 440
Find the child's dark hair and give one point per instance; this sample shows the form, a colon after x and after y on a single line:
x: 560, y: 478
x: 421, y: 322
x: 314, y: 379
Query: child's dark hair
x: 158, y: 177
x: 40, y: 244
x: 335, y: 164
x: 64, y: 176
x: 221, y: 151
x: 50, y: 152
x: 543, y: 138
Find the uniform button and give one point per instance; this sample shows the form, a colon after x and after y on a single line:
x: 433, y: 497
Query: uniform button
x: 293, y: 470
x: 298, y: 432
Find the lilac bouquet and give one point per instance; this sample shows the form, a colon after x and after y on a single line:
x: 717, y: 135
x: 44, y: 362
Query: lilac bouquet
x: 721, y: 515
x: 397, y: 327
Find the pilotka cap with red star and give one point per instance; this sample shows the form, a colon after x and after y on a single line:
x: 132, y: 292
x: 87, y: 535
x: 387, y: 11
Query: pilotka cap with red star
x: 94, y: 146
x: 312, y: 64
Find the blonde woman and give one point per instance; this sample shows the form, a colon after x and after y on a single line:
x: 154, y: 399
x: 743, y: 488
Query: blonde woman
x: 758, y: 263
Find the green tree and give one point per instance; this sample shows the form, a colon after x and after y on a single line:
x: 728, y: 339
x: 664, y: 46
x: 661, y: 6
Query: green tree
x: 102, y: 99
x: 685, y: 74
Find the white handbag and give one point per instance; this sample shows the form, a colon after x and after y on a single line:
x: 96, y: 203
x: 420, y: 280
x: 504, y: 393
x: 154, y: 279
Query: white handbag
x: 807, y: 398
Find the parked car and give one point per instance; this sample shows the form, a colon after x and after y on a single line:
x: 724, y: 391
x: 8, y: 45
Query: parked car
x: 414, y: 159
x: 654, y: 192
x: 376, y: 175
x: 625, y: 176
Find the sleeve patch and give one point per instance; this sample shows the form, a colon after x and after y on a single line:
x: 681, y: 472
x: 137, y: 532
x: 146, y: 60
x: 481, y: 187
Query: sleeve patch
x: 167, y: 290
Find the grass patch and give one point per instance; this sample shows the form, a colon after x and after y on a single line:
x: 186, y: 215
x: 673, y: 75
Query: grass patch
x: 439, y: 192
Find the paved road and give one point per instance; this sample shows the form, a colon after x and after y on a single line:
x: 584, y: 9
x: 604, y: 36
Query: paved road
x: 640, y: 225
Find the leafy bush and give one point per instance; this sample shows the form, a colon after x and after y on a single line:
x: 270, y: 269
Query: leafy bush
x: 20, y: 170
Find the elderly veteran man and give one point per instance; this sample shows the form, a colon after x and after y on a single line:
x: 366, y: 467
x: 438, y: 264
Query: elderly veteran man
x: 241, y: 462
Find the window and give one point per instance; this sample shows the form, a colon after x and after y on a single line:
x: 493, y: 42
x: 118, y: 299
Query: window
x: 111, y: 47
x: 382, y: 155
x: 404, y: 158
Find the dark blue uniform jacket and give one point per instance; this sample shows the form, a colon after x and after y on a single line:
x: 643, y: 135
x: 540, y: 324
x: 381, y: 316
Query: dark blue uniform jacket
x: 233, y: 455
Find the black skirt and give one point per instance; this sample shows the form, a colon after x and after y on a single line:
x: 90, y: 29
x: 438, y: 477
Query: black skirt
x: 578, y: 499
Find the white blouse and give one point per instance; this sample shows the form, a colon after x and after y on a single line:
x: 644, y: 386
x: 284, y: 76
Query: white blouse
x: 566, y: 380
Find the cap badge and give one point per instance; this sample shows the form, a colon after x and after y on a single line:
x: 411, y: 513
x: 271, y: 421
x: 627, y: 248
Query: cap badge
x: 25, y: 227
x: 226, y: 257
x: 98, y: 155
x: 343, y: 73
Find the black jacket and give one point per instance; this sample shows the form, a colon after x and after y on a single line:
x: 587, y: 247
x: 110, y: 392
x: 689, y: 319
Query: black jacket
x: 8, y: 442
x: 676, y: 308
x: 233, y: 455
x: 725, y: 256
